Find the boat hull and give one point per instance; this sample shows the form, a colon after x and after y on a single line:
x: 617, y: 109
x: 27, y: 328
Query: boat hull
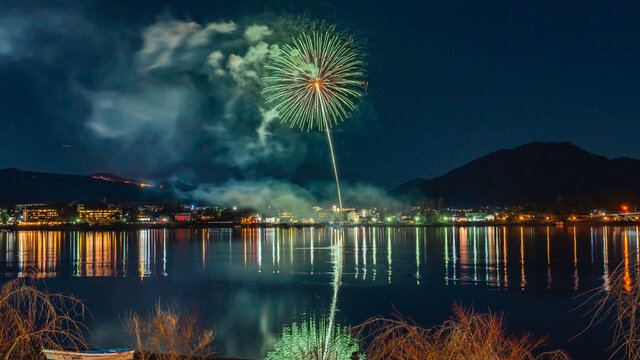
x: 107, y: 354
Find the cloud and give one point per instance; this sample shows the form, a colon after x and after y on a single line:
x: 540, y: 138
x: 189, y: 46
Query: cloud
x: 7, y: 47
x: 178, y: 45
x: 153, y: 111
x: 14, y: 32
x: 42, y: 34
x: 214, y: 61
x: 255, y: 33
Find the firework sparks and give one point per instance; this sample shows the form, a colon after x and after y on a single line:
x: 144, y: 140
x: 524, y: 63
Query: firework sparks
x: 315, y: 81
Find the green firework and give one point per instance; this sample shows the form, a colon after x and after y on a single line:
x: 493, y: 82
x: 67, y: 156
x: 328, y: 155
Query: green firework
x: 315, y: 81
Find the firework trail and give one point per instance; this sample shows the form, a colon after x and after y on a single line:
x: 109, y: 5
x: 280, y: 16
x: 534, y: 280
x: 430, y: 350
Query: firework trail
x: 314, y: 83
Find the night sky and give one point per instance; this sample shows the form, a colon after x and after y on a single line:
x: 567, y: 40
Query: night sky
x: 147, y: 89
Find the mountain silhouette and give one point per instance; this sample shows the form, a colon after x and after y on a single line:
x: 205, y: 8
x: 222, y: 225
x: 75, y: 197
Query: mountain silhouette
x: 23, y: 187
x: 538, y: 172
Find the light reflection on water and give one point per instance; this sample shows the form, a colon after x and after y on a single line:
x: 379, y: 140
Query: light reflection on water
x: 466, y: 255
x: 272, y: 276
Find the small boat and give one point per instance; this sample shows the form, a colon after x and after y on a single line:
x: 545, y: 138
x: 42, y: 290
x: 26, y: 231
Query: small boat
x: 105, y: 354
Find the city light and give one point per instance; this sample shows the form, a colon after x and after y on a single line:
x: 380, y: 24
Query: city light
x: 44, y: 215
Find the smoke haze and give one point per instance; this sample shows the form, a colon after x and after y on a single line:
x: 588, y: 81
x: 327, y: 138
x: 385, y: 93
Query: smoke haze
x: 173, y: 99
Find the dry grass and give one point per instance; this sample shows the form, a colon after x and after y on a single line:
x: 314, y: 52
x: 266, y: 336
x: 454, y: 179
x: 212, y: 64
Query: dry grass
x: 32, y: 319
x: 169, y: 334
x: 466, y: 336
x: 619, y: 299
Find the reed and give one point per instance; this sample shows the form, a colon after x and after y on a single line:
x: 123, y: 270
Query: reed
x: 618, y: 300
x: 31, y: 319
x: 466, y: 336
x: 168, y: 333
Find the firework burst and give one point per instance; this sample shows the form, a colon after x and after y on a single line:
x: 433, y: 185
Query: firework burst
x: 315, y: 81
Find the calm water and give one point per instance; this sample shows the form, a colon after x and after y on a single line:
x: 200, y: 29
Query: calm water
x: 249, y: 283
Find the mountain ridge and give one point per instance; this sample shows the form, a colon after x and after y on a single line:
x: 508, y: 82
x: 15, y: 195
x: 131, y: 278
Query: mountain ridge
x: 535, y: 172
x: 20, y: 187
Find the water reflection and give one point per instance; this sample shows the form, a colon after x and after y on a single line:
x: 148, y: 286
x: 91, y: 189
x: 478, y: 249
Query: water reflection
x: 549, y: 278
x: 605, y: 257
x: 490, y: 256
x: 94, y: 254
x: 576, y: 278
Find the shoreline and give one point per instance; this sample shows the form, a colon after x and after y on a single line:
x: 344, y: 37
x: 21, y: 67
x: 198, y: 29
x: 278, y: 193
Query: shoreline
x: 221, y: 225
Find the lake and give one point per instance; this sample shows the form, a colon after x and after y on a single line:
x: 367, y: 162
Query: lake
x: 248, y: 283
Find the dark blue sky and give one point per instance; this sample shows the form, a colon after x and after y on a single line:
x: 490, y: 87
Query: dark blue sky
x: 449, y: 81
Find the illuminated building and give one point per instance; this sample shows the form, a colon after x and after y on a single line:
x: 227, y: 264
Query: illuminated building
x: 40, y: 215
x: 324, y: 215
x: 286, y: 216
x: 353, y: 217
x: 144, y: 218
x: 479, y: 216
x: 249, y: 220
x: 99, y: 216
x: 182, y: 217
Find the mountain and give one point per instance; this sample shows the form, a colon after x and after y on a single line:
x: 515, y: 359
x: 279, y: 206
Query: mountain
x: 532, y: 173
x: 21, y: 187
x: 116, y: 178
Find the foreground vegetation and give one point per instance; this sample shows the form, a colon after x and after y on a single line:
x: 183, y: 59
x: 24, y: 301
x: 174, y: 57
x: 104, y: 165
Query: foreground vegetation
x: 466, y: 336
x: 32, y: 319
x: 169, y: 334
x: 619, y: 299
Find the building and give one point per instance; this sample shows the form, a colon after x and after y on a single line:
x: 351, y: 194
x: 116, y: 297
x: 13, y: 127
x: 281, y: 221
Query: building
x: 99, y: 216
x: 286, y: 216
x: 353, y: 217
x: 479, y: 216
x: 144, y: 218
x: 182, y: 217
x: 40, y: 215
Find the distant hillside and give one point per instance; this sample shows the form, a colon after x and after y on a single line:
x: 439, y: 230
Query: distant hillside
x: 116, y: 178
x: 19, y: 187
x: 533, y: 173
